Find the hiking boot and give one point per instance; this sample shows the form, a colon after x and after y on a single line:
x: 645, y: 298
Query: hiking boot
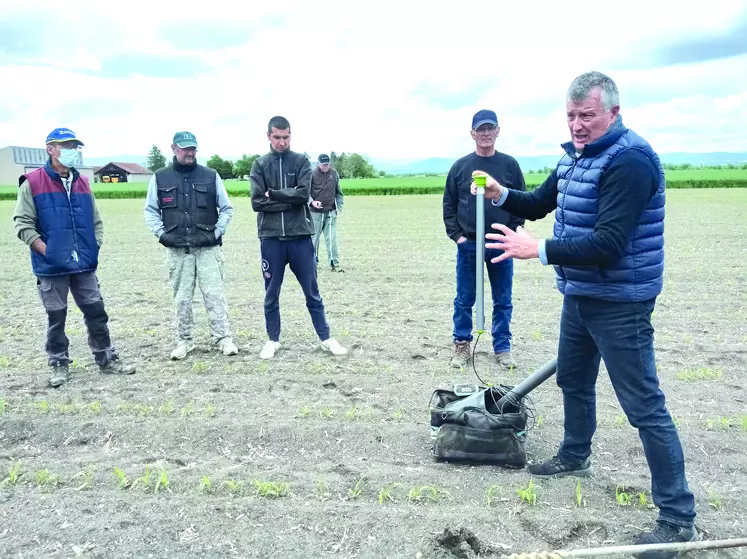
x: 504, y: 359
x: 182, y: 349
x: 461, y: 355
x: 331, y: 345
x: 227, y: 346
x: 665, y: 533
x: 336, y: 268
x: 116, y: 367
x: 60, y: 375
x: 269, y: 349
x: 557, y: 467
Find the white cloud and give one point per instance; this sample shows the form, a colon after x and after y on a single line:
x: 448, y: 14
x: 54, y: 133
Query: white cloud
x: 394, y: 80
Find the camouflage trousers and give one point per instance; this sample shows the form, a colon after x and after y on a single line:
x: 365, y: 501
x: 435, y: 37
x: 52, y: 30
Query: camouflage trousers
x: 205, y: 266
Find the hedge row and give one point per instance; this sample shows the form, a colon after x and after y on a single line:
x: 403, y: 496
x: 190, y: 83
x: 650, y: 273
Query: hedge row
x: 101, y: 193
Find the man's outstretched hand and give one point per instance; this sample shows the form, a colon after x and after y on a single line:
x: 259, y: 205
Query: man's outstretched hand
x: 520, y: 244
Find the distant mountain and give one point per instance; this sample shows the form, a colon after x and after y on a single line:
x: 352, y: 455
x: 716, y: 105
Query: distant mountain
x: 441, y: 165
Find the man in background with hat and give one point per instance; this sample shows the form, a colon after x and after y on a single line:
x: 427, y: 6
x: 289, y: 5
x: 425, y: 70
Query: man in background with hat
x: 326, y: 207
x: 459, y: 217
x: 188, y: 209
x: 57, y: 217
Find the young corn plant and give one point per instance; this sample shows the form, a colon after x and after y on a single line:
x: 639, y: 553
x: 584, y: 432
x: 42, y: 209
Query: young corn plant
x: 188, y: 409
x: 163, y: 482
x: 493, y: 493
x: 621, y: 496
x: 200, y: 367
x: 210, y: 410
x: 46, y: 480
x: 426, y: 493
x: 351, y: 414
x: 322, y: 490
x: 14, y: 474
x: 234, y: 487
x: 303, y: 412
x: 167, y: 408
x: 42, y: 406
x: 385, y: 493
x: 580, y: 500
x: 694, y: 375
x: 528, y: 494
x: 146, y: 480
x: 744, y: 423
x: 642, y: 500
x: 270, y: 488
x: 355, y: 491
x: 205, y: 485
x: 121, y: 479
x: 715, y: 500
x: 328, y: 413
x: 86, y: 480
x: 94, y: 408
x: 3, y: 406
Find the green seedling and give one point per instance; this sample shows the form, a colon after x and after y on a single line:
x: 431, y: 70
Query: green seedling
x: 188, y: 409
x: 355, y: 491
x: 270, y: 488
x: 122, y: 481
x: 14, y: 474
x: 144, y: 409
x: 725, y: 423
x: 352, y: 414
x: 744, y: 423
x: 47, y: 480
x: 70, y: 407
x: 95, y: 407
x: 322, y: 489
x: 304, y: 412
x: 398, y: 415
x: 210, y: 410
x: 42, y: 405
x: 676, y: 422
x: 527, y: 494
x: 328, y: 413
x: 4, y: 362
x: 200, y: 367
x: 146, y: 480
x: 622, y: 498
x: 167, y: 408
x: 205, y: 484
x: 493, y: 492
x: 715, y: 500
x: 709, y: 423
x: 76, y: 366
x: 3, y: 405
x: 537, y: 336
x: 580, y: 501
x: 163, y: 482
x: 86, y: 481
x: 426, y: 492
x: 619, y: 421
x: 126, y: 408
x: 694, y: 375
x: 540, y: 421
x: 642, y: 501
x: 385, y: 493
x: 234, y: 487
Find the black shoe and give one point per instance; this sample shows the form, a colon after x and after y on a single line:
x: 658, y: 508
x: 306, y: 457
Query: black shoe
x: 665, y: 533
x: 557, y: 467
x: 116, y: 367
x: 60, y: 375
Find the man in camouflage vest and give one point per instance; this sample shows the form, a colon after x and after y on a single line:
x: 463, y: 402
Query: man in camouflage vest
x: 188, y: 209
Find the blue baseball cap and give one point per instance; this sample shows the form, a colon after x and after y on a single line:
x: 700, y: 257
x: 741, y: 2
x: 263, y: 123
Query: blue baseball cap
x: 484, y: 117
x: 59, y: 135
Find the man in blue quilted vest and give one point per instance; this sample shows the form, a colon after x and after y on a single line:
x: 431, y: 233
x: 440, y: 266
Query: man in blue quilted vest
x: 607, y: 249
x: 56, y: 216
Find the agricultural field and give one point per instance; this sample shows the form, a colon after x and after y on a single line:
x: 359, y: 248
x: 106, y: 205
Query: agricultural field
x: 690, y: 178
x: 314, y: 456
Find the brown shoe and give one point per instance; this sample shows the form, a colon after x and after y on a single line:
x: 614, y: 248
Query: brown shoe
x: 504, y: 359
x: 461, y: 355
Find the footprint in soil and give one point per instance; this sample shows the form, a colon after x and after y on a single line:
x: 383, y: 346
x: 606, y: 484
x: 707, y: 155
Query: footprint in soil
x: 455, y: 544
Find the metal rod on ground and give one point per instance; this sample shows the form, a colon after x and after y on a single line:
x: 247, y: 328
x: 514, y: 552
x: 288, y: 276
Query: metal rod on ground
x: 480, y: 257
x: 530, y: 383
x: 630, y: 549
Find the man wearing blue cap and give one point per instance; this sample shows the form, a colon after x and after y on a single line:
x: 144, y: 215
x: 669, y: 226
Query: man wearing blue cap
x: 188, y: 210
x: 459, y: 217
x: 56, y: 216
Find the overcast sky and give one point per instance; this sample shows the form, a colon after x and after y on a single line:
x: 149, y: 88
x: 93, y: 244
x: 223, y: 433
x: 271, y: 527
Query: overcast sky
x: 393, y: 80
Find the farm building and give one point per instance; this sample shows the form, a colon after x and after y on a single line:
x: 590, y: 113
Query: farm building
x: 122, y: 172
x: 16, y: 161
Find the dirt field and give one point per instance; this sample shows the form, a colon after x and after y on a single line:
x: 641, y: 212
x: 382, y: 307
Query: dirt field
x: 314, y: 456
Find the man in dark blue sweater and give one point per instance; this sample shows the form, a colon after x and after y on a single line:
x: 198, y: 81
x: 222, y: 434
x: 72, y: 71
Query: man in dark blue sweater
x: 459, y: 218
x: 608, y: 252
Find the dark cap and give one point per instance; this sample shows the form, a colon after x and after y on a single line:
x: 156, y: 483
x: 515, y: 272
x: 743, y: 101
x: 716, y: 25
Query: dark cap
x: 324, y: 158
x: 484, y: 117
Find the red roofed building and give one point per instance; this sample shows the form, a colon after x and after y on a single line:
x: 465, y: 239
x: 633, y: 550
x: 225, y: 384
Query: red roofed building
x: 123, y: 172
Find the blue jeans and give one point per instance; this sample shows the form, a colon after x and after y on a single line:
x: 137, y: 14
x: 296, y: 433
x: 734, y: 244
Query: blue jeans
x: 622, y: 335
x: 501, y: 281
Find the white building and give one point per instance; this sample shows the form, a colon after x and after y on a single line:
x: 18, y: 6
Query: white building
x: 16, y: 161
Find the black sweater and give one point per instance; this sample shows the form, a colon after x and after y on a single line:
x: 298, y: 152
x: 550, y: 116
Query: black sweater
x: 625, y: 189
x: 459, y: 203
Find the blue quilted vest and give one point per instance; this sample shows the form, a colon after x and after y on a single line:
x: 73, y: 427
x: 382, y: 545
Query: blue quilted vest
x: 64, y: 222
x: 638, y: 275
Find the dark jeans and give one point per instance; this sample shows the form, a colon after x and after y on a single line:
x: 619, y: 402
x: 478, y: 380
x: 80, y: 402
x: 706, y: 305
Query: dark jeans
x: 299, y: 254
x: 501, y: 281
x: 622, y: 335
x: 53, y: 292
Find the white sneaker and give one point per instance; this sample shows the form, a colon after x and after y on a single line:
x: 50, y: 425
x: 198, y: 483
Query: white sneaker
x: 182, y: 349
x: 227, y: 346
x: 333, y: 347
x: 269, y: 349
